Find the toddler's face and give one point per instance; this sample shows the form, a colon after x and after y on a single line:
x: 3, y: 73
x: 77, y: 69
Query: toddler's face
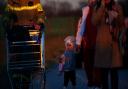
x: 69, y: 46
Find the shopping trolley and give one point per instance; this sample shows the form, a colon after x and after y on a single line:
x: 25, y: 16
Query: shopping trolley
x: 26, y: 58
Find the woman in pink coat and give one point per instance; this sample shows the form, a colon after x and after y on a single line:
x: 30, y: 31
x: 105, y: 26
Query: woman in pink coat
x: 108, y: 19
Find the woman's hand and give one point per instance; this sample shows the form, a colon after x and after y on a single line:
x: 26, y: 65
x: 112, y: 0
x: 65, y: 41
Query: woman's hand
x: 113, y: 14
x: 78, y: 48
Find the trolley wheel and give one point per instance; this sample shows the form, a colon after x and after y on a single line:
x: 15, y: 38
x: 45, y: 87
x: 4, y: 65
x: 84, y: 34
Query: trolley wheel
x: 21, y: 81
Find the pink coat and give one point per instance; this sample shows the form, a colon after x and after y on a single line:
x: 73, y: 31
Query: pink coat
x: 107, y: 53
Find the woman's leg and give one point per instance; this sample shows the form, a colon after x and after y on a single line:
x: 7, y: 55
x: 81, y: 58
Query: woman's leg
x: 114, y: 78
x: 88, y: 66
x: 104, y: 78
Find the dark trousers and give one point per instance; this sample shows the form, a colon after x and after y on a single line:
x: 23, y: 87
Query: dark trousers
x: 113, y: 78
x: 93, y: 74
x: 69, y: 75
x: 125, y: 58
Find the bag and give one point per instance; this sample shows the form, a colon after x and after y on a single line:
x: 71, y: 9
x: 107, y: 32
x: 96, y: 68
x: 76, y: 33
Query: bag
x: 61, y: 67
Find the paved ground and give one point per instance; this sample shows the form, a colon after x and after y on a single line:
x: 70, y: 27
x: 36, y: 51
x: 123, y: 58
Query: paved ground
x: 56, y: 82
x: 123, y: 79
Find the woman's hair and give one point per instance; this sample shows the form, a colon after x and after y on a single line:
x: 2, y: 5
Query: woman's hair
x: 98, y: 4
x: 108, y: 6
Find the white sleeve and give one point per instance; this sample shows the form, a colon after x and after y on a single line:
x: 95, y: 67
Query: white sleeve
x: 81, y: 26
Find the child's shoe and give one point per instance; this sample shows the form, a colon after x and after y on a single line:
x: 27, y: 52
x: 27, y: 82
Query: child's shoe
x: 64, y: 87
x: 73, y: 87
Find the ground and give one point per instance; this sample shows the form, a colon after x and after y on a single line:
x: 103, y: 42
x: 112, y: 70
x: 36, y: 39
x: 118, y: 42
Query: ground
x: 56, y: 82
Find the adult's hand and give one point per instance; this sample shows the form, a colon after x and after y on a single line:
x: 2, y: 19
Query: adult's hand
x: 78, y: 48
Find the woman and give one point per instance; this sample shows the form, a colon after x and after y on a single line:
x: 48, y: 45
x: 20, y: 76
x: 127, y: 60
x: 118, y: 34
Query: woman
x: 85, y: 38
x: 108, y: 19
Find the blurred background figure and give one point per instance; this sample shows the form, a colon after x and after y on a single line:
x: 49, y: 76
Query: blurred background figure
x: 24, y: 15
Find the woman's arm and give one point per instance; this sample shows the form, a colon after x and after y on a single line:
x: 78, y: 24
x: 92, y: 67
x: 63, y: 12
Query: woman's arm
x: 81, y: 28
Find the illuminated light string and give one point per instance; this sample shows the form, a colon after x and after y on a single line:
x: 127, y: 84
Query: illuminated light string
x: 37, y: 6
